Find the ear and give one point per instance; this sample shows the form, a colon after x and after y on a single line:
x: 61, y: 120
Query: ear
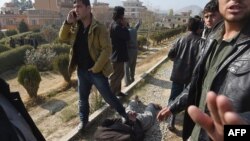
x: 89, y: 8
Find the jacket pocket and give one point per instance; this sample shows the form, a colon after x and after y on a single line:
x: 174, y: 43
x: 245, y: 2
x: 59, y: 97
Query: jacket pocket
x: 240, y: 66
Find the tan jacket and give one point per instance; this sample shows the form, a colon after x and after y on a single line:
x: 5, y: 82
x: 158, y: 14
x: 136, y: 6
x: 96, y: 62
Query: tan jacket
x: 99, y: 45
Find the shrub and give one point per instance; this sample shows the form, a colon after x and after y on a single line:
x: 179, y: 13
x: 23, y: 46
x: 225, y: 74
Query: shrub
x: 10, y: 32
x: 13, y: 58
x: 41, y: 58
x: 38, y: 36
x: 58, y: 48
x: 3, y: 48
x: 50, y: 33
x: 60, y: 64
x: 141, y: 41
x: 1, y: 35
x: 29, y: 78
x: 22, y: 27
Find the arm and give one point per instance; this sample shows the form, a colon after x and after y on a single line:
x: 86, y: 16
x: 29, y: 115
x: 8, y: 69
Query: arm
x: 178, y: 105
x: 222, y: 113
x: 173, y: 51
x: 138, y: 24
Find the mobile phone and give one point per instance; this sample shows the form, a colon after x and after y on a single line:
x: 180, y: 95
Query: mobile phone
x: 74, y: 14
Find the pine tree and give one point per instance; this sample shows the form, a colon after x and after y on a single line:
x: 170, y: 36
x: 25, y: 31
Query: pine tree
x: 23, y: 27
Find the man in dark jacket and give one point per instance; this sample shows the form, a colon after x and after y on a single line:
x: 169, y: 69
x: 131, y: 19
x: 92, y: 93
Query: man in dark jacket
x: 15, y: 122
x: 224, y: 69
x: 119, y: 36
x: 184, y: 53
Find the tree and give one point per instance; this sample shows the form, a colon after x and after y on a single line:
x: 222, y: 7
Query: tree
x: 23, y: 27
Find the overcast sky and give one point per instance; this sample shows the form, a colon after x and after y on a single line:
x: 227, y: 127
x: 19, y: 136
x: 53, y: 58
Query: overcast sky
x: 152, y: 4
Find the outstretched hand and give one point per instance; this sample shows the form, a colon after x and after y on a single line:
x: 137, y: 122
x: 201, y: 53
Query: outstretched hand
x: 221, y: 113
x: 163, y: 114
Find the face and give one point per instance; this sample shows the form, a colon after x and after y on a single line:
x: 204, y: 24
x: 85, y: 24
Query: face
x: 211, y: 18
x: 234, y: 10
x: 82, y: 11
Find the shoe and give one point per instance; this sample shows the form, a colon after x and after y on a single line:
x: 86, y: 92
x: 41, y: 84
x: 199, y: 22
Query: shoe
x: 81, y: 126
x: 171, y: 123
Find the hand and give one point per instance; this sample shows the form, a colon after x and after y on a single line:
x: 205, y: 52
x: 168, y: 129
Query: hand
x: 222, y: 113
x: 163, y: 114
x: 132, y: 115
x: 71, y: 18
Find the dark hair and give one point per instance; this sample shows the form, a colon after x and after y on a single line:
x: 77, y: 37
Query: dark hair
x: 118, y: 12
x: 193, y: 24
x: 85, y: 2
x: 211, y: 6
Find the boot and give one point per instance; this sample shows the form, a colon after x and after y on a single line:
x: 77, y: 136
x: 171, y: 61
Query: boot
x: 171, y: 123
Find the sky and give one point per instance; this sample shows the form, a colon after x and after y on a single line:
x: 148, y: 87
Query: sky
x: 152, y: 4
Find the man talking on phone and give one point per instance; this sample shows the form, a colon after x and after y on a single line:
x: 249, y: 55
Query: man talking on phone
x: 90, y: 56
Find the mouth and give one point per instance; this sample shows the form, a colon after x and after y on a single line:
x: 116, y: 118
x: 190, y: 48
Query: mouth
x: 235, y: 8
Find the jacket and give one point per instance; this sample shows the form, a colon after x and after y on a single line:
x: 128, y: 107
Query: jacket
x: 99, y: 46
x: 7, y: 133
x: 184, y: 53
x: 232, y: 79
x: 119, y: 36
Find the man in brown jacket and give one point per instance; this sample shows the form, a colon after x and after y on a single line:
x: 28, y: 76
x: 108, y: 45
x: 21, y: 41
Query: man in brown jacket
x: 90, y: 55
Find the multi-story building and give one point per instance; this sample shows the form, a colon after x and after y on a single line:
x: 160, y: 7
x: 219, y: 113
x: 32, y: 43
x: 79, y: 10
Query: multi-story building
x: 44, y: 12
x: 102, y: 12
x: 176, y: 20
x: 133, y: 9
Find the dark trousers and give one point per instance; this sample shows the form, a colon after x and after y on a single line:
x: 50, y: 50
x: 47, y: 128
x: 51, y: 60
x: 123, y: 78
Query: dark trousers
x: 116, y: 77
x: 130, y: 66
x: 85, y: 81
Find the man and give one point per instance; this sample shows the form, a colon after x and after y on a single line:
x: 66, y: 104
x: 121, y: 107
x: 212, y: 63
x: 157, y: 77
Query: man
x: 184, y: 54
x: 211, y: 16
x: 224, y: 69
x: 119, y: 35
x: 90, y: 54
x: 15, y: 122
x: 132, y: 54
x: 140, y: 122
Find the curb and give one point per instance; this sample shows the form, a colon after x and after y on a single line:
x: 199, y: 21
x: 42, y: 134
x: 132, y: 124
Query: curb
x: 95, y: 116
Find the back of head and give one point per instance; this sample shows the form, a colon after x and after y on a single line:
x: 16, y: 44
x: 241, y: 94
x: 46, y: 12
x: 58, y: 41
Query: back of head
x: 211, y: 6
x: 194, y: 24
x: 118, y: 13
x: 85, y: 2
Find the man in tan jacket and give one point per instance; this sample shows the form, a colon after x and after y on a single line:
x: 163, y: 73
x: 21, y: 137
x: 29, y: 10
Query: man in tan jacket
x: 90, y: 55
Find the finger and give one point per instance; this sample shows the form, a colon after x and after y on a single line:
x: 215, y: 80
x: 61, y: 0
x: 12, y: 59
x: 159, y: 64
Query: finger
x: 212, y: 107
x: 224, y: 105
x: 201, y: 118
x: 233, y: 119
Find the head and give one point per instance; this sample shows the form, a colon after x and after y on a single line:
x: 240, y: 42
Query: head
x: 211, y: 14
x: 194, y: 25
x: 82, y: 8
x: 234, y: 11
x: 118, y: 13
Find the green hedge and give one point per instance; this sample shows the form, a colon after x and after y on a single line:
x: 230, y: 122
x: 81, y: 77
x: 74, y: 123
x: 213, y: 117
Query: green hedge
x: 58, y: 48
x: 12, y: 58
x: 4, y: 48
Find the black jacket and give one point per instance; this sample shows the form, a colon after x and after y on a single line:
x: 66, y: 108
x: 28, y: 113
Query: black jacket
x: 184, y: 53
x: 119, y: 37
x: 7, y: 133
x: 232, y: 79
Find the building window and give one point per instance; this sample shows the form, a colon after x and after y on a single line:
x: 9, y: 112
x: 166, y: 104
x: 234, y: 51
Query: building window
x: 132, y: 9
x: 179, y: 19
x: 169, y: 20
x: 184, y: 21
x: 33, y: 22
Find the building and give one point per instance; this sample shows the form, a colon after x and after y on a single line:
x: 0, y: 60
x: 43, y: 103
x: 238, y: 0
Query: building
x: 133, y: 9
x: 176, y: 20
x: 44, y: 12
x: 102, y: 12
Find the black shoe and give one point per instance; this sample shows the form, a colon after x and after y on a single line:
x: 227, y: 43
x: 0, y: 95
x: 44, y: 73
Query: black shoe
x: 171, y: 123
